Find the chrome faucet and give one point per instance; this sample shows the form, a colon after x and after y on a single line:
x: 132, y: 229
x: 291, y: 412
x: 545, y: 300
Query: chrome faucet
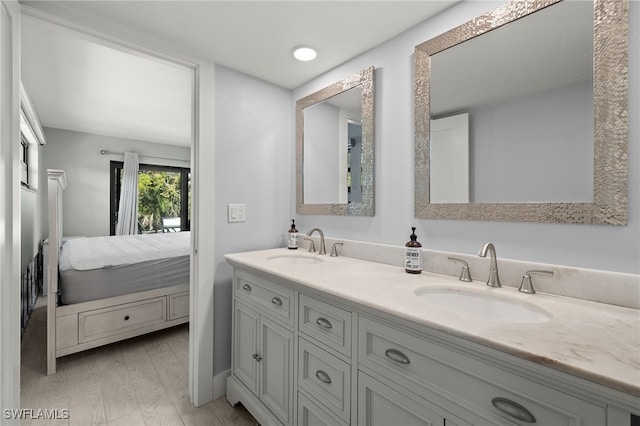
x: 322, y: 247
x: 494, y: 278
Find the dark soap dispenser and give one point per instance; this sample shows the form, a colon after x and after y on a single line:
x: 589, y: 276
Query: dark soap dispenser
x: 413, y: 256
x: 292, y: 236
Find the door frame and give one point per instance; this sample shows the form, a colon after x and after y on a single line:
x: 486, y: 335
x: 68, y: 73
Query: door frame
x: 201, y: 330
x: 10, y: 229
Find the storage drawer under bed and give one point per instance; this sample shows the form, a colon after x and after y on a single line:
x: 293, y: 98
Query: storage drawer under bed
x: 118, y: 319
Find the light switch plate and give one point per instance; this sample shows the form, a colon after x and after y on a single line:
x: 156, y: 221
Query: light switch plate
x: 236, y: 213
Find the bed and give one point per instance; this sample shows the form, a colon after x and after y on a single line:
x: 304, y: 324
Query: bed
x: 102, y: 290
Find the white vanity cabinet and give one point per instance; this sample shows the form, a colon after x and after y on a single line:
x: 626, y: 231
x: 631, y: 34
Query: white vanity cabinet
x: 263, y: 345
x: 305, y: 357
x: 476, y: 391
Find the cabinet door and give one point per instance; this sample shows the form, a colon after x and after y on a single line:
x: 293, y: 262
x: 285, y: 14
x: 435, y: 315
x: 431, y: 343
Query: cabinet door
x: 381, y: 405
x: 245, y: 346
x: 276, y: 344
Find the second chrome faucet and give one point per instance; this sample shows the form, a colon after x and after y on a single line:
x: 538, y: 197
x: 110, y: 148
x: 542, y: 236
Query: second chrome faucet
x: 494, y: 278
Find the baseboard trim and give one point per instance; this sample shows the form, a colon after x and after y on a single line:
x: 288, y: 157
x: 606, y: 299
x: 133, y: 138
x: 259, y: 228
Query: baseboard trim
x: 220, y: 384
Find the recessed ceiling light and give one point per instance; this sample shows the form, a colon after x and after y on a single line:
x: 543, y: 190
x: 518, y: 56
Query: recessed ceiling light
x: 304, y: 53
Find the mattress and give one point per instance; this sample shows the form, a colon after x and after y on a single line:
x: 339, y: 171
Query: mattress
x: 99, y: 267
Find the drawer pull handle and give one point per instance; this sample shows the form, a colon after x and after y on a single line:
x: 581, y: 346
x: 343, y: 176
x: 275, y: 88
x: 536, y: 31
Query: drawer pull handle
x: 257, y: 357
x: 246, y: 287
x: 513, y: 409
x: 276, y: 301
x: 323, y: 377
x: 126, y: 317
x: 324, y: 323
x: 397, y: 356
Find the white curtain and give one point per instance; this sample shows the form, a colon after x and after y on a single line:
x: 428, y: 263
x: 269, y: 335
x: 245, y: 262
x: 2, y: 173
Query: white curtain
x: 128, y: 208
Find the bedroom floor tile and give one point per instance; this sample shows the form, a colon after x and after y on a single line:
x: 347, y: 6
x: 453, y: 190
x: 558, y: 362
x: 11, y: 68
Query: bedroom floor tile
x: 141, y: 381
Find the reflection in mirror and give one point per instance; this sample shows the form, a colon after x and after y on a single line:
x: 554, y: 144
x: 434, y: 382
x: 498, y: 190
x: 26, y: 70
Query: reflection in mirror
x: 332, y: 135
x: 520, y: 118
x: 334, y: 131
x: 515, y: 78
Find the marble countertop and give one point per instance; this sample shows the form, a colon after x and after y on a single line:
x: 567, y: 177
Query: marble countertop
x: 594, y: 341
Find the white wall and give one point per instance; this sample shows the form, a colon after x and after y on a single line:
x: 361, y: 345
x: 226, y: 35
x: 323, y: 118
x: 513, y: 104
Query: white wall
x: 612, y: 248
x: 86, y: 199
x: 254, y: 132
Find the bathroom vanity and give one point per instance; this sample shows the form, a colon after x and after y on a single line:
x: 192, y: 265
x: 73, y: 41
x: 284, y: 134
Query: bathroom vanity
x: 339, y: 341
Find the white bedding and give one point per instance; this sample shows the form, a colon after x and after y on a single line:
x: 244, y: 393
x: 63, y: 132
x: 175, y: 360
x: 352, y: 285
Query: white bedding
x: 105, y: 252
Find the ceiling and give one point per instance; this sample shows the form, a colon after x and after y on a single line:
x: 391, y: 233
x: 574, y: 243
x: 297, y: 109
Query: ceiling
x: 516, y: 60
x: 80, y: 83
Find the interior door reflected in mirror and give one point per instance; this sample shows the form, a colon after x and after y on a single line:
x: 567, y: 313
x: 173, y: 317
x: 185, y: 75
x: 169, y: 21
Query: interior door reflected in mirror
x: 334, y: 148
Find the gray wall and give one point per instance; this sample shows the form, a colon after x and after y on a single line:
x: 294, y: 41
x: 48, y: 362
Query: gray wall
x: 611, y: 248
x: 538, y: 148
x: 254, y: 153
x: 86, y: 199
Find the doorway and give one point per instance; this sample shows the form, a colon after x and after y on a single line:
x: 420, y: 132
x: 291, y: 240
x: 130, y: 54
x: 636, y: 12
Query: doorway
x: 200, y: 360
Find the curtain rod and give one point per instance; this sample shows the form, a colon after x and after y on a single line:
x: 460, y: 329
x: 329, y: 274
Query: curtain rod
x: 106, y: 152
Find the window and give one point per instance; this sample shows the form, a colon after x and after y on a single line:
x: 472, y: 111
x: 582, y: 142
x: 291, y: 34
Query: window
x: 24, y: 162
x: 31, y: 137
x: 164, y: 197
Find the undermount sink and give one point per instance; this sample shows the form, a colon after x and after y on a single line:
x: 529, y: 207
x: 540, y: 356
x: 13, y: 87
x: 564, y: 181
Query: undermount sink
x: 483, y: 306
x: 294, y: 259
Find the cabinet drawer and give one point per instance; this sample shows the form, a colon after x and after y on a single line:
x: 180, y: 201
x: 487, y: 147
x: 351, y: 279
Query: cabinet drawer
x: 476, y: 385
x: 311, y: 414
x: 382, y: 405
x: 325, y: 323
x: 110, y: 321
x: 178, y: 305
x: 271, y: 297
x: 325, y: 377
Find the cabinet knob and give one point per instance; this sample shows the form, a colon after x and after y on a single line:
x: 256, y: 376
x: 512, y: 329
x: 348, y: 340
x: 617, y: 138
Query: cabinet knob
x: 257, y: 357
x: 324, y: 323
x: 513, y: 409
x: 323, y: 377
x: 276, y: 301
x: 396, y: 356
x: 246, y: 287
x: 126, y: 317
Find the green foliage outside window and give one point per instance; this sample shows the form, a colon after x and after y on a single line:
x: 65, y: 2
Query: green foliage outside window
x: 158, y: 197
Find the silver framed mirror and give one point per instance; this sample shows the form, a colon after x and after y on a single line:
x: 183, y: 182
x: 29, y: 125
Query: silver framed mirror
x: 599, y: 192
x: 335, y: 148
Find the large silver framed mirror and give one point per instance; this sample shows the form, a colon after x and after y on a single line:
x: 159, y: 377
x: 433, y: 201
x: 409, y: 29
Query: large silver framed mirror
x: 521, y: 115
x: 334, y: 148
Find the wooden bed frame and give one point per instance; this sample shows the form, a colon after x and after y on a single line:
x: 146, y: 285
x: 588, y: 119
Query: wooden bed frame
x: 81, y: 326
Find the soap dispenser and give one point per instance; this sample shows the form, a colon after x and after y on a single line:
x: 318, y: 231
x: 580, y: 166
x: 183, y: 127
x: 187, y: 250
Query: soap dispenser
x: 413, y: 257
x: 292, y: 236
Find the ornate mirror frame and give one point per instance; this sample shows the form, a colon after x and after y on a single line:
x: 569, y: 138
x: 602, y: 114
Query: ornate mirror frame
x: 364, y: 79
x: 610, y: 89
